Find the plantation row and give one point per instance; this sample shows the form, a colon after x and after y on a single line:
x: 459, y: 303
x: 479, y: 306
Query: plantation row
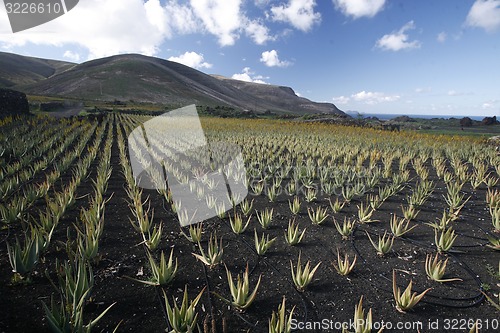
x: 341, y: 216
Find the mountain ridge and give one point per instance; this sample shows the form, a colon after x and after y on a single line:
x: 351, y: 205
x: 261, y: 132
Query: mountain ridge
x: 18, y: 70
x: 148, y: 79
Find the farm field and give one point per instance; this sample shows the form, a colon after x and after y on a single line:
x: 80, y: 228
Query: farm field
x: 78, y: 235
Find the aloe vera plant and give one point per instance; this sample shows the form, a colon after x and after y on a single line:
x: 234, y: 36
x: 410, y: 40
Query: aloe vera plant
x: 493, y: 198
x: 453, y: 197
x: 435, y: 269
x: 163, y: 272
x: 154, y: 238
x: 213, y: 256
x: 491, y: 181
x: 443, y: 222
x: 410, y: 212
x: 365, y: 214
x: 265, y: 218
x: 280, y: 322
x: 399, y: 227
x: 88, y: 243
x: 374, y: 202
x: 494, y: 243
x: 336, y: 206
x: 10, y: 213
x: 246, y: 207
x: 291, y: 188
x: 346, y: 229
x: 75, y: 285
x: 348, y: 193
x: 182, y: 318
x: 220, y: 210
x: 241, y: 298
x: 310, y: 194
x: 262, y: 244
x: 317, y: 216
x: 344, y: 266
x: 23, y: 258
x: 257, y: 188
x: 384, y: 244
x: 361, y: 323
x: 384, y: 193
x: 272, y: 193
x: 407, y: 299
x: 445, y: 240
x: 302, y: 277
x: 294, y: 205
x: 184, y: 218
x: 495, y: 218
x: 292, y: 234
x: 143, y: 217
x: 237, y: 224
x: 195, y: 231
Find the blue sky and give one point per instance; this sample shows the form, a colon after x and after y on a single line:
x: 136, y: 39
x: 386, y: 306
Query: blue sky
x: 373, y: 56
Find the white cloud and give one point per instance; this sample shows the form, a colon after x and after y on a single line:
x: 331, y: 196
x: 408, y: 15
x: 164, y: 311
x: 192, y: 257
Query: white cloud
x: 299, y: 13
x: 248, y: 76
x: 489, y: 105
x: 271, y: 59
x: 359, y: 8
x: 423, y: 90
x: 366, y: 97
x: 441, y: 37
x: 108, y: 27
x: 221, y: 18
x: 484, y: 14
x: 458, y: 93
x: 372, y: 98
x: 180, y: 18
x: 398, y: 40
x: 258, y: 32
x: 191, y: 59
x: 156, y: 16
x: 72, y: 56
x: 102, y: 27
x: 341, y: 100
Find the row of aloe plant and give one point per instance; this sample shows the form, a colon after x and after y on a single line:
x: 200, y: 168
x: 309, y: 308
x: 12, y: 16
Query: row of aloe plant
x: 183, y: 317
x: 21, y: 202
x: 75, y: 278
x: 51, y: 147
x: 24, y: 256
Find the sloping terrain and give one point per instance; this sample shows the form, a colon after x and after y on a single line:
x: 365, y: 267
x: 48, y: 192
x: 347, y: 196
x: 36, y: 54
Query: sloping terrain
x: 284, y: 97
x: 19, y: 70
x: 148, y: 79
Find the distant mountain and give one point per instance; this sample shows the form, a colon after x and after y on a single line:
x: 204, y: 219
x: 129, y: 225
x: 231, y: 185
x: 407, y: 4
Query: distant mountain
x: 148, y: 79
x: 19, y: 70
x: 283, y: 97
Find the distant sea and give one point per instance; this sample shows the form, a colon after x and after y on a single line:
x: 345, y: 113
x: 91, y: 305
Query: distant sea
x: 426, y: 116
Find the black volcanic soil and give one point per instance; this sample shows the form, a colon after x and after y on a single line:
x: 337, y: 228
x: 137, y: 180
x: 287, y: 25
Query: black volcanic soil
x: 329, y: 300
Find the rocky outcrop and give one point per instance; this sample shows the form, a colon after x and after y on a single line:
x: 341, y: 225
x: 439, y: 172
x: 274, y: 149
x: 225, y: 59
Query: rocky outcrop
x: 13, y: 103
x: 403, y: 119
x: 466, y: 122
x: 489, y: 121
